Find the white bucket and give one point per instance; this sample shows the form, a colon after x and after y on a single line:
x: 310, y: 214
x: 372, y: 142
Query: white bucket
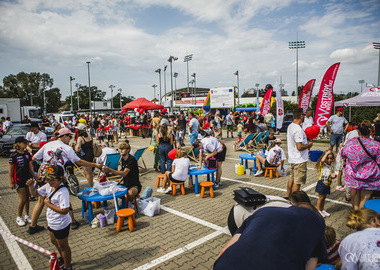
x: 247, y: 171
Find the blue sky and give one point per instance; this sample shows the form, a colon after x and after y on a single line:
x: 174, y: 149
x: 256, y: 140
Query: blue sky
x: 126, y: 41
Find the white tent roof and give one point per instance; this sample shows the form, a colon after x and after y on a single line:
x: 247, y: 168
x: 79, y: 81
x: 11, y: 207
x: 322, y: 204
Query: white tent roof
x: 370, y: 97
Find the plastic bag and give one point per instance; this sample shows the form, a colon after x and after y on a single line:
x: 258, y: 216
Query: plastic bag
x: 284, y: 172
x: 150, y: 206
x: 105, y: 188
x: 147, y: 193
x: 110, y: 215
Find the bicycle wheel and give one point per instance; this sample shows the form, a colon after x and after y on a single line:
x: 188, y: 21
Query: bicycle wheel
x: 73, y: 184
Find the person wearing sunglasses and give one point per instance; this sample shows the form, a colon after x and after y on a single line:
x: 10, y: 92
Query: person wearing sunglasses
x: 56, y: 152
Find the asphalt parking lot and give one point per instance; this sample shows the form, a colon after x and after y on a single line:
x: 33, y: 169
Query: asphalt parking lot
x: 188, y: 233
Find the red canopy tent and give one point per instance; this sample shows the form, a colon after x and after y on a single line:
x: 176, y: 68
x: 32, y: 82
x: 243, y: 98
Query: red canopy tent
x: 142, y: 103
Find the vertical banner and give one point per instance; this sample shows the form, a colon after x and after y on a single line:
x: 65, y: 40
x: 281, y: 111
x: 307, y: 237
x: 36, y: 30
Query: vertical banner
x: 279, y: 108
x: 257, y: 101
x: 266, y: 103
x: 306, y: 95
x: 326, y: 96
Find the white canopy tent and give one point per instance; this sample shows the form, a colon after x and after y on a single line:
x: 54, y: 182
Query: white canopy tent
x: 370, y: 97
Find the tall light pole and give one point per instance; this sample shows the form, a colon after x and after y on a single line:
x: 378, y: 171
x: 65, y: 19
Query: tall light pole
x: 154, y: 91
x: 237, y: 78
x: 376, y: 45
x: 71, y: 93
x: 89, y: 85
x: 170, y: 60
x: 361, y: 85
x: 194, y: 88
x: 175, y: 75
x: 187, y: 59
x: 165, y: 80
x: 159, y: 79
x: 77, y: 85
x: 120, y: 96
x: 111, y: 87
x: 297, y: 45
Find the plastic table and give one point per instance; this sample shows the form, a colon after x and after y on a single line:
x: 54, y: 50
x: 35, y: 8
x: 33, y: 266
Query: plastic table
x: 247, y: 157
x: 373, y: 204
x: 196, y: 172
x: 100, y: 198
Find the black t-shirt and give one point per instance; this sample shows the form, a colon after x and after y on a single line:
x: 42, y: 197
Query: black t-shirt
x: 268, y: 141
x: 132, y: 178
x: 276, y: 238
x: 21, y: 166
x: 377, y: 128
x: 182, y: 121
x: 46, y: 123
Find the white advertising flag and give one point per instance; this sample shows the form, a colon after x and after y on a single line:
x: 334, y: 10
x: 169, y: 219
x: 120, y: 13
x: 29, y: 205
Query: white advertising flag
x: 280, y: 107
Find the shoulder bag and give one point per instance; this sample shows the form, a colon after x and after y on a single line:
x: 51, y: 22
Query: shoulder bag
x: 372, y: 157
x: 248, y: 197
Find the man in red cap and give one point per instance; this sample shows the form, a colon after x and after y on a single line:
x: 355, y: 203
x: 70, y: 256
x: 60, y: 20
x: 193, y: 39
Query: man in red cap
x: 337, y: 125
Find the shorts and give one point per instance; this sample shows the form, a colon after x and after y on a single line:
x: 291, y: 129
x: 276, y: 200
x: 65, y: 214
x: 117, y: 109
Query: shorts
x: 21, y: 183
x: 60, y: 234
x: 322, y: 189
x: 239, y: 132
x: 298, y: 173
x: 183, y: 131
x: 267, y: 164
x: 221, y: 156
x: 115, y: 129
x: 230, y: 127
x: 137, y: 187
x: 193, y: 138
x: 100, y: 138
x: 110, y: 137
x: 336, y: 139
x: 174, y: 180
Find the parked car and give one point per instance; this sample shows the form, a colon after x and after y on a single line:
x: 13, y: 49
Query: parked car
x: 288, y: 119
x: 17, y: 130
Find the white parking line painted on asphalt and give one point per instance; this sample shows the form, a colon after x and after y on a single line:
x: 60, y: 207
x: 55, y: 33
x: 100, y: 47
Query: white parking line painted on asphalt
x: 14, y: 249
x: 176, y: 252
x: 309, y: 187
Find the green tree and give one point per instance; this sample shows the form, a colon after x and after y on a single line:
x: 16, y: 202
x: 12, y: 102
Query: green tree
x: 96, y: 95
x: 124, y: 100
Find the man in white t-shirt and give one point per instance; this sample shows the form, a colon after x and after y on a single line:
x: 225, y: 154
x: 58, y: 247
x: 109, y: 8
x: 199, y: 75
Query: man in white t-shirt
x: 308, y: 121
x: 193, y: 128
x: 105, y: 151
x: 35, y: 136
x: 7, y: 124
x: 298, y: 152
x: 57, y: 152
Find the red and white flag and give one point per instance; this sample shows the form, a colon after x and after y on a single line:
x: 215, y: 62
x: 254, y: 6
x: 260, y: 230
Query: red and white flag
x: 280, y: 108
x: 266, y: 103
x: 306, y: 95
x: 326, y: 96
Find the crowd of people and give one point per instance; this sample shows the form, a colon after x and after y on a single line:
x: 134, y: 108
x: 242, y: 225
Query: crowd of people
x: 37, y: 168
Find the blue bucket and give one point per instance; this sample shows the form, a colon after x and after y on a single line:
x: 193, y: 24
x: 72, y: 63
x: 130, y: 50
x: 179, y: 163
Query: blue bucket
x: 315, y: 155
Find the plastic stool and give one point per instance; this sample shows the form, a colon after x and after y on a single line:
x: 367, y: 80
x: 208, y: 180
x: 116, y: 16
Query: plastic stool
x: 159, y: 177
x: 271, y: 170
x: 123, y: 213
x: 207, y: 184
x: 174, y: 187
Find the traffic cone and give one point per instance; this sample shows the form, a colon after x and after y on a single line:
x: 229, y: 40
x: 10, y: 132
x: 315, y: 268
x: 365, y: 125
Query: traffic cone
x: 54, y: 264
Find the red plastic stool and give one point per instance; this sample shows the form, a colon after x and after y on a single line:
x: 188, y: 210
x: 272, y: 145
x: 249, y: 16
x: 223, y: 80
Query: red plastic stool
x: 123, y: 213
x: 205, y: 185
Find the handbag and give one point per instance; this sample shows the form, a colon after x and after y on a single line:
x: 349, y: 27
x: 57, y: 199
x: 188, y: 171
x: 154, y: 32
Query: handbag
x: 96, y: 149
x: 248, y: 197
x: 211, y: 163
x: 372, y: 157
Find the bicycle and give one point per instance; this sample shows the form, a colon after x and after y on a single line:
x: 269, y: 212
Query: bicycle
x: 72, y: 180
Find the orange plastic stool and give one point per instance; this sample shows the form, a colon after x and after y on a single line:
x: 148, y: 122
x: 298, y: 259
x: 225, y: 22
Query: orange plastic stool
x: 123, y: 213
x: 209, y: 185
x: 159, y: 177
x: 271, y: 170
x: 174, y: 187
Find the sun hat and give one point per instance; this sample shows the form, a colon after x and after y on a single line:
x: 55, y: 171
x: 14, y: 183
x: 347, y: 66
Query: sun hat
x: 64, y: 131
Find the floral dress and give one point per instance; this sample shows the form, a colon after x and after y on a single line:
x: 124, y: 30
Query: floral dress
x: 361, y: 171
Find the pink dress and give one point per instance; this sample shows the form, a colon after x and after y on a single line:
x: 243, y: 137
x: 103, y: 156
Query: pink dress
x: 361, y: 171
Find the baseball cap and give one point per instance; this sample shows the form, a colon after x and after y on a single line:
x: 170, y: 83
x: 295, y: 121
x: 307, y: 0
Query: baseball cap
x: 339, y: 110
x: 64, y: 131
x: 21, y: 139
x: 81, y: 126
x: 277, y: 141
x: 53, y: 172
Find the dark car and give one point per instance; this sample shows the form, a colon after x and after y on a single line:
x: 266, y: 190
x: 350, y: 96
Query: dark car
x: 8, y: 139
x: 288, y: 119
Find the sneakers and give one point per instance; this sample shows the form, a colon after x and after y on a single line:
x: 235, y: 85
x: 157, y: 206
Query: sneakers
x: 217, y: 184
x: 161, y: 190
x: 321, y: 213
x: 169, y: 189
x: 324, y: 213
x: 20, y: 221
x: 340, y: 188
x: 36, y: 229
x: 28, y: 219
x: 258, y: 173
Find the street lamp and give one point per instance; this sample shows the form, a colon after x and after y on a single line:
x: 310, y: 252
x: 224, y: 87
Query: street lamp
x: 361, y: 85
x: 194, y: 88
x: 187, y: 59
x: 71, y: 93
x: 165, y: 80
x: 154, y: 87
x: 77, y: 85
x: 376, y: 45
x: 159, y: 78
x: 89, y: 85
x: 297, y: 45
x: 170, y: 60
x: 237, y: 78
x: 112, y: 87
x: 120, y: 96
